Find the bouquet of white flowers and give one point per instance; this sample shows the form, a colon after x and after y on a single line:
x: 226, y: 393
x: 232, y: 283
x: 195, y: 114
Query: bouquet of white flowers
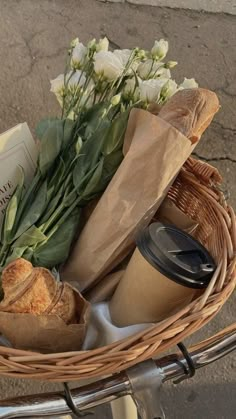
x: 81, y: 151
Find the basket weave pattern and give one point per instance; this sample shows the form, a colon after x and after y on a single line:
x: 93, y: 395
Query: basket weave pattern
x: 194, y: 192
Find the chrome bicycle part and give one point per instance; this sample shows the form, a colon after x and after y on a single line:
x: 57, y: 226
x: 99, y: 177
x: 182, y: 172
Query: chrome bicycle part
x: 146, y: 381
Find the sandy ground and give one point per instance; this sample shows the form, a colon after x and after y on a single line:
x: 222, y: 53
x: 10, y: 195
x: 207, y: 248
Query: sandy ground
x: 33, y: 38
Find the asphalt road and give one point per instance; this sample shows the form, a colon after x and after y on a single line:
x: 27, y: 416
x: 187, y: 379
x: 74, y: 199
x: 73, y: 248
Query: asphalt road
x: 33, y: 38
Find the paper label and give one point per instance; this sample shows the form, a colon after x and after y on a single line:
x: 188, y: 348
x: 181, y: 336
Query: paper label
x: 17, y: 148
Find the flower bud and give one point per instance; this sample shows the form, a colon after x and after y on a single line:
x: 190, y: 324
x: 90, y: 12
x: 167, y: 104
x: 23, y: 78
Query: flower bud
x: 78, y: 145
x: 160, y: 49
x: 102, y: 45
x: 78, y: 57
x: 188, y: 84
x: 141, y: 54
x: 115, y: 100
x: 169, y: 89
x: 74, y: 42
x: 92, y: 45
x: 171, y: 64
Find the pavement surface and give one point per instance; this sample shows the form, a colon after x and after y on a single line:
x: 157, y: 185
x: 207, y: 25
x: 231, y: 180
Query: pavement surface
x: 33, y: 38
x: 215, y: 6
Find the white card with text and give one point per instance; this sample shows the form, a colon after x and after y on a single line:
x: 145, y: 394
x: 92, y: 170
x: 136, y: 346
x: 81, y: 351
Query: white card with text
x: 17, y: 148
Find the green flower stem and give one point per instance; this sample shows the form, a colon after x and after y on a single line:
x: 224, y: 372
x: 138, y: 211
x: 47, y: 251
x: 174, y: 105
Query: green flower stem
x: 66, y: 81
x: 62, y: 220
x: 3, y: 253
x: 37, y: 178
x: 52, y: 219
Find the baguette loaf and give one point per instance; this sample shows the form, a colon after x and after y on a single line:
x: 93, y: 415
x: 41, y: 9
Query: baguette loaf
x: 190, y: 111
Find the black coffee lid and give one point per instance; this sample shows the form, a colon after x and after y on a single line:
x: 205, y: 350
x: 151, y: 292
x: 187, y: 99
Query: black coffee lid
x: 176, y: 255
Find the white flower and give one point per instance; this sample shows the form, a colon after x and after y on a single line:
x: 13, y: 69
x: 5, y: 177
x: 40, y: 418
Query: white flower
x: 78, y: 55
x: 131, y: 89
x: 130, y: 85
x: 160, y: 49
x: 77, y: 79
x: 102, y: 45
x: 153, y: 69
x: 188, y: 84
x: 123, y: 55
x: 144, y: 69
x: 163, y: 73
x: 90, y: 87
x: 57, y: 85
x: 87, y: 96
x: 108, y: 65
x: 169, y: 89
x: 150, y: 90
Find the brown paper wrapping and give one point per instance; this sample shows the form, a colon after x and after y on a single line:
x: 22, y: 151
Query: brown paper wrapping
x: 105, y: 288
x: 46, y: 333
x: 154, y: 153
x: 169, y: 213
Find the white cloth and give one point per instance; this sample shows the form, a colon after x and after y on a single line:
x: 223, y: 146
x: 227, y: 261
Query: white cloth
x: 101, y: 331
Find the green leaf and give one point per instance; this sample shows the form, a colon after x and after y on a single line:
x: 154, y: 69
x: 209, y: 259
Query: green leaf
x: 51, y: 145
x: 93, y: 184
x: 111, y: 163
x: 30, y: 237
x: 52, y: 205
x: 32, y: 214
x: 16, y: 253
x: 11, y: 210
x: 56, y: 179
x: 70, y: 197
x: 115, y: 136
x: 27, y: 198
x: 90, y: 154
x: 68, y: 129
x: 43, y: 126
x: 93, y: 118
x: 56, y: 250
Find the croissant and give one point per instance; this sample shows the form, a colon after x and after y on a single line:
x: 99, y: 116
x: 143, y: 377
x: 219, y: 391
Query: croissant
x: 35, y: 290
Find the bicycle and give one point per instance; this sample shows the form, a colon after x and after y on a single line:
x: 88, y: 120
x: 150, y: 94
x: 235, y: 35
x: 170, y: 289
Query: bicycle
x: 142, y: 382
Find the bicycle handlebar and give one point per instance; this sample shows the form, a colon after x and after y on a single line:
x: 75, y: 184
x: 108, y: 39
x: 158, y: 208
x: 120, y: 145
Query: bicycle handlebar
x: 111, y: 388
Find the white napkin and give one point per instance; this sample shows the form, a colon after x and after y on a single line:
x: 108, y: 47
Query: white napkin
x: 101, y: 331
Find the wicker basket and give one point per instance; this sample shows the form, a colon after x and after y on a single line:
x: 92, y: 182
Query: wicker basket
x: 196, y: 193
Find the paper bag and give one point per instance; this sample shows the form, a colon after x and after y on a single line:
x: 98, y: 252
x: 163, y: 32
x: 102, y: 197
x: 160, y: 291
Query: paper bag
x: 46, y: 333
x: 154, y: 153
x: 169, y: 213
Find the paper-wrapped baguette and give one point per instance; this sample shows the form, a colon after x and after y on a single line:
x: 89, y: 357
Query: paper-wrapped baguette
x: 191, y: 111
x: 155, y: 149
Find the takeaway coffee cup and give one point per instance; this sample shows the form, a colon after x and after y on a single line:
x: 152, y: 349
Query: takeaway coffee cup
x: 163, y: 275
